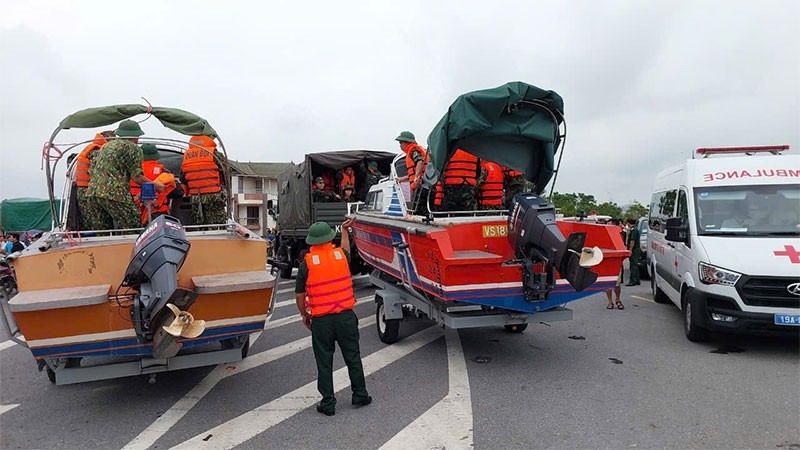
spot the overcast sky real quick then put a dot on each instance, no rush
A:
(644, 82)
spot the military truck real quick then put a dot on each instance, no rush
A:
(296, 210)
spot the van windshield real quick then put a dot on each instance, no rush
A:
(748, 210)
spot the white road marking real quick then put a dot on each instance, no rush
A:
(250, 424)
(641, 298)
(6, 344)
(6, 408)
(166, 421)
(448, 424)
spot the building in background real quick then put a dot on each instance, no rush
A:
(252, 185)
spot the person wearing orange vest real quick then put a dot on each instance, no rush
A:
(200, 175)
(514, 183)
(416, 157)
(459, 179)
(490, 195)
(81, 175)
(155, 171)
(346, 177)
(325, 299)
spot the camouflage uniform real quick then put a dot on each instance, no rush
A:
(370, 179)
(209, 209)
(108, 196)
(84, 208)
(322, 196)
(513, 185)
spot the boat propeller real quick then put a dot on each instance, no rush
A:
(184, 324)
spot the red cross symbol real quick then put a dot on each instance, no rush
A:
(788, 250)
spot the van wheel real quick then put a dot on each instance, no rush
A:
(658, 295)
(690, 313)
(518, 328)
(388, 329)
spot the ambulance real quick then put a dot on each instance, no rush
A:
(724, 241)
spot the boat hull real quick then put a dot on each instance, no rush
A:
(60, 318)
(470, 260)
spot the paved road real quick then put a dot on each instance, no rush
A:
(607, 379)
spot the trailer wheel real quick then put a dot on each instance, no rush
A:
(519, 328)
(388, 330)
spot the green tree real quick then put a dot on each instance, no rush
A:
(565, 203)
(635, 211)
(609, 209)
(586, 203)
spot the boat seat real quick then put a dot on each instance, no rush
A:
(59, 298)
(473, 254)
(233, 282)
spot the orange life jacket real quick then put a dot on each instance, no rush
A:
(491, 192)
(154, 171)
(347, 179)
(410, 165)
(439, 194)
(512, 173)
(461, 169)
(82, 161)
(329, 287)
(199, 168)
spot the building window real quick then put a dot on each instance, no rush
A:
(252, 216)
(259, 186)
(240, 185)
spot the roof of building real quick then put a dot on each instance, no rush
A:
(258, 169)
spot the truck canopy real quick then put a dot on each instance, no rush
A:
(516, 125)
(175, 119)
(294, 183)
(24, 214)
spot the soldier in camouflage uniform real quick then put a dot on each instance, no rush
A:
(209, 208)
(108, 194)
(371, 177)
(514, 183)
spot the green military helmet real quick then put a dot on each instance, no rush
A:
(128, 128)
(406, 136)
(320, 233)
(319, 179)
(373, 165)
(149, 152)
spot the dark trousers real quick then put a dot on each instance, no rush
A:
(325, 332)
(633, 277)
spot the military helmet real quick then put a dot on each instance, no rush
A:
(149, 152)
(128, 128)
(320, 233)
(319, 179)
(406, 136)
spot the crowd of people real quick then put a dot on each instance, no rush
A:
(344, 185)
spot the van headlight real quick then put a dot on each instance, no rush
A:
(715, 275)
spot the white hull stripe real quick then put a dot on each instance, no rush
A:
(131, 333)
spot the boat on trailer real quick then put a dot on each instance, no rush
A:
(99, 304)
(484, 267)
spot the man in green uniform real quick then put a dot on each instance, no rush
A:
(513, 183)
(319, 194)
(371, 177)
(636, 252)
(341, 324)
(108, 194)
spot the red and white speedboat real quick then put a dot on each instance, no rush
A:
(519, 261)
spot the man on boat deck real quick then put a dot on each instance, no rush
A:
(416, 157)
(325, 298)
(108, 193)
(200, 174)
(82, 176)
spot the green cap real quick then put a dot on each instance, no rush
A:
(318, 179)
(406, 136)
(128, 128)
(320, 233)
(373, 164)
(149, 152)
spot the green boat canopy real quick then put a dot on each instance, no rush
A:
(178, 120)
(515, 125)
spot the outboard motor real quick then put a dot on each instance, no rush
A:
(159, 309)
(536, 239)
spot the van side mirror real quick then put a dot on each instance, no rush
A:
(677, 231)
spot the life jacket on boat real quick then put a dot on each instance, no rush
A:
(82, 161)
(462, 169)
(491, 191)
(348, 179)
(154, 171)
(199, 168)
(438, 195)
(329, 287)
(410, 165)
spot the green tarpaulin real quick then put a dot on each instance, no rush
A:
(501, 125)
(178, 120)
(24, 214)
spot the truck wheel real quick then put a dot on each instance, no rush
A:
(658, 295)
(388, 330)
(518, 328)
(690, 313)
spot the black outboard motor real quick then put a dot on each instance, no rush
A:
(158, 254)
(536, 239)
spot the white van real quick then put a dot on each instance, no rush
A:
(724, 241)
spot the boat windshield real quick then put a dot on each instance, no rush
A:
(771, 210)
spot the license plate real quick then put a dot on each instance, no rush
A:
(491, 231)
(787, 319)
